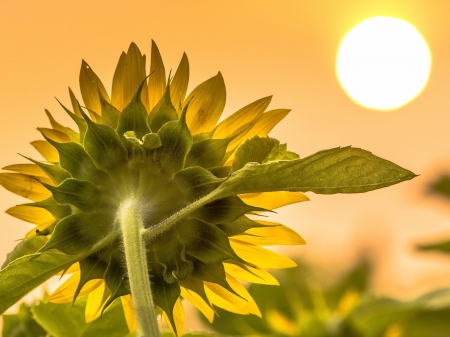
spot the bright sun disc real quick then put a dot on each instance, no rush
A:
(383, 63)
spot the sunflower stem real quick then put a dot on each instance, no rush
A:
(136, 259)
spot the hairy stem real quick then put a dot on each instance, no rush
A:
(136, 259)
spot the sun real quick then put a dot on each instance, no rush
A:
(383, 63)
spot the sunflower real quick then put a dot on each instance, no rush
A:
(151, 141)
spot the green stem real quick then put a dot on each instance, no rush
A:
(135, 253)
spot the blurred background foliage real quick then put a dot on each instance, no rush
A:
(301, 306)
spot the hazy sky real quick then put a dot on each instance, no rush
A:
(282, 48)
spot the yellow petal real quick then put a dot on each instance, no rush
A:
(55, 135)
(46, 150)
(72, 269)
(262, 126)
(274, 234)
(224, 299)
(117, 84)
(242, 118)
(179, 318)
(75, 104)
(73, 136)
(198, 302)
(95, 301)
(157, 78)
(240, 289)
(90, 84)
(260, 257)
(130, 314)
(282, 324)
(65, 292)
(39, 228)
(272, 200)
(254, 275)
(30, 169)
(179, 84)
(24, 185)
(133, 75)
(206, 105)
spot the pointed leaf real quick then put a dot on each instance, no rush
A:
(110, 115)
(214, 273)
(206, 105)
(79, 193)
(115, 278)
(208, 153)
(196, 182)
(54, 171)
(179, 84)
(163, 112)
(82, 126)
(91, 268)
(80, 232)
(73, 136)
(26, 273)
(339, 170)
(238, 226)
(25, 247)
(58, 211)
(157, 78)
(165, 295)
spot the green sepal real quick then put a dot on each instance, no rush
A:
(441, 247)
(165, 296)
(27, 246)
(203, 136)
(54, 171)
(57, 210)
(196, 285)
(115, 278)
(206, 242)
(338, 170)
(74, 136)
(74, 159)
(24, 274)
(79, 232)
(110, 115)
(208, 153)
(175, 265)
(80, 193)
(221, 171)
(176, 142)
(134, 116)
(21, 324)
(238, 226)
(163, 112)
(260, 150)
(91, 268)
(103, 145)
(81, 123)
(224, 210)
(196, 182)
(214, 273)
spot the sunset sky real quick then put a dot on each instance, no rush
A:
(286, 49)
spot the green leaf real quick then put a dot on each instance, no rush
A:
(21, 324)
(80, 232)
(176, 142)
(165, 295)
(441, 186)
(57, 210)
(74, 136)
(91, 268)
(81, 123)
(238, 226)
(192, 334)
(163, 112)
(208, 153)
(134, 116)
(79, 193)
(339, 170)
(214, 273)
(115, 278)
(54, 171)
(104, 145)
(206, 242)
(196, 182)
(442, 247)
(110, 115)
(26, 273)
(25, 247)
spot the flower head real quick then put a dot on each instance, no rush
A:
(154, 146)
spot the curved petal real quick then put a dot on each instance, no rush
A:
(242, 118)
(273, 234)
(253, 275)
(46, 150)
(130, 314)
(179, 84)
(261, 257)
(178, 316)
(55, 135)
(30, 169)
(157, 78)
(199, 303)
(117, 84)
(95, 301)
(273, 200)
(222, 298)
(35, 215)
(39, 228)
(64, 293)
(24, 185)
(206, 105)
(72, 269)
(252, 307)
(90, 84)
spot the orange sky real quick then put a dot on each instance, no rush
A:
(284, 48)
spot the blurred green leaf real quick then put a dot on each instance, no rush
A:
(22, 324)
(442, 247)
(441, 186)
